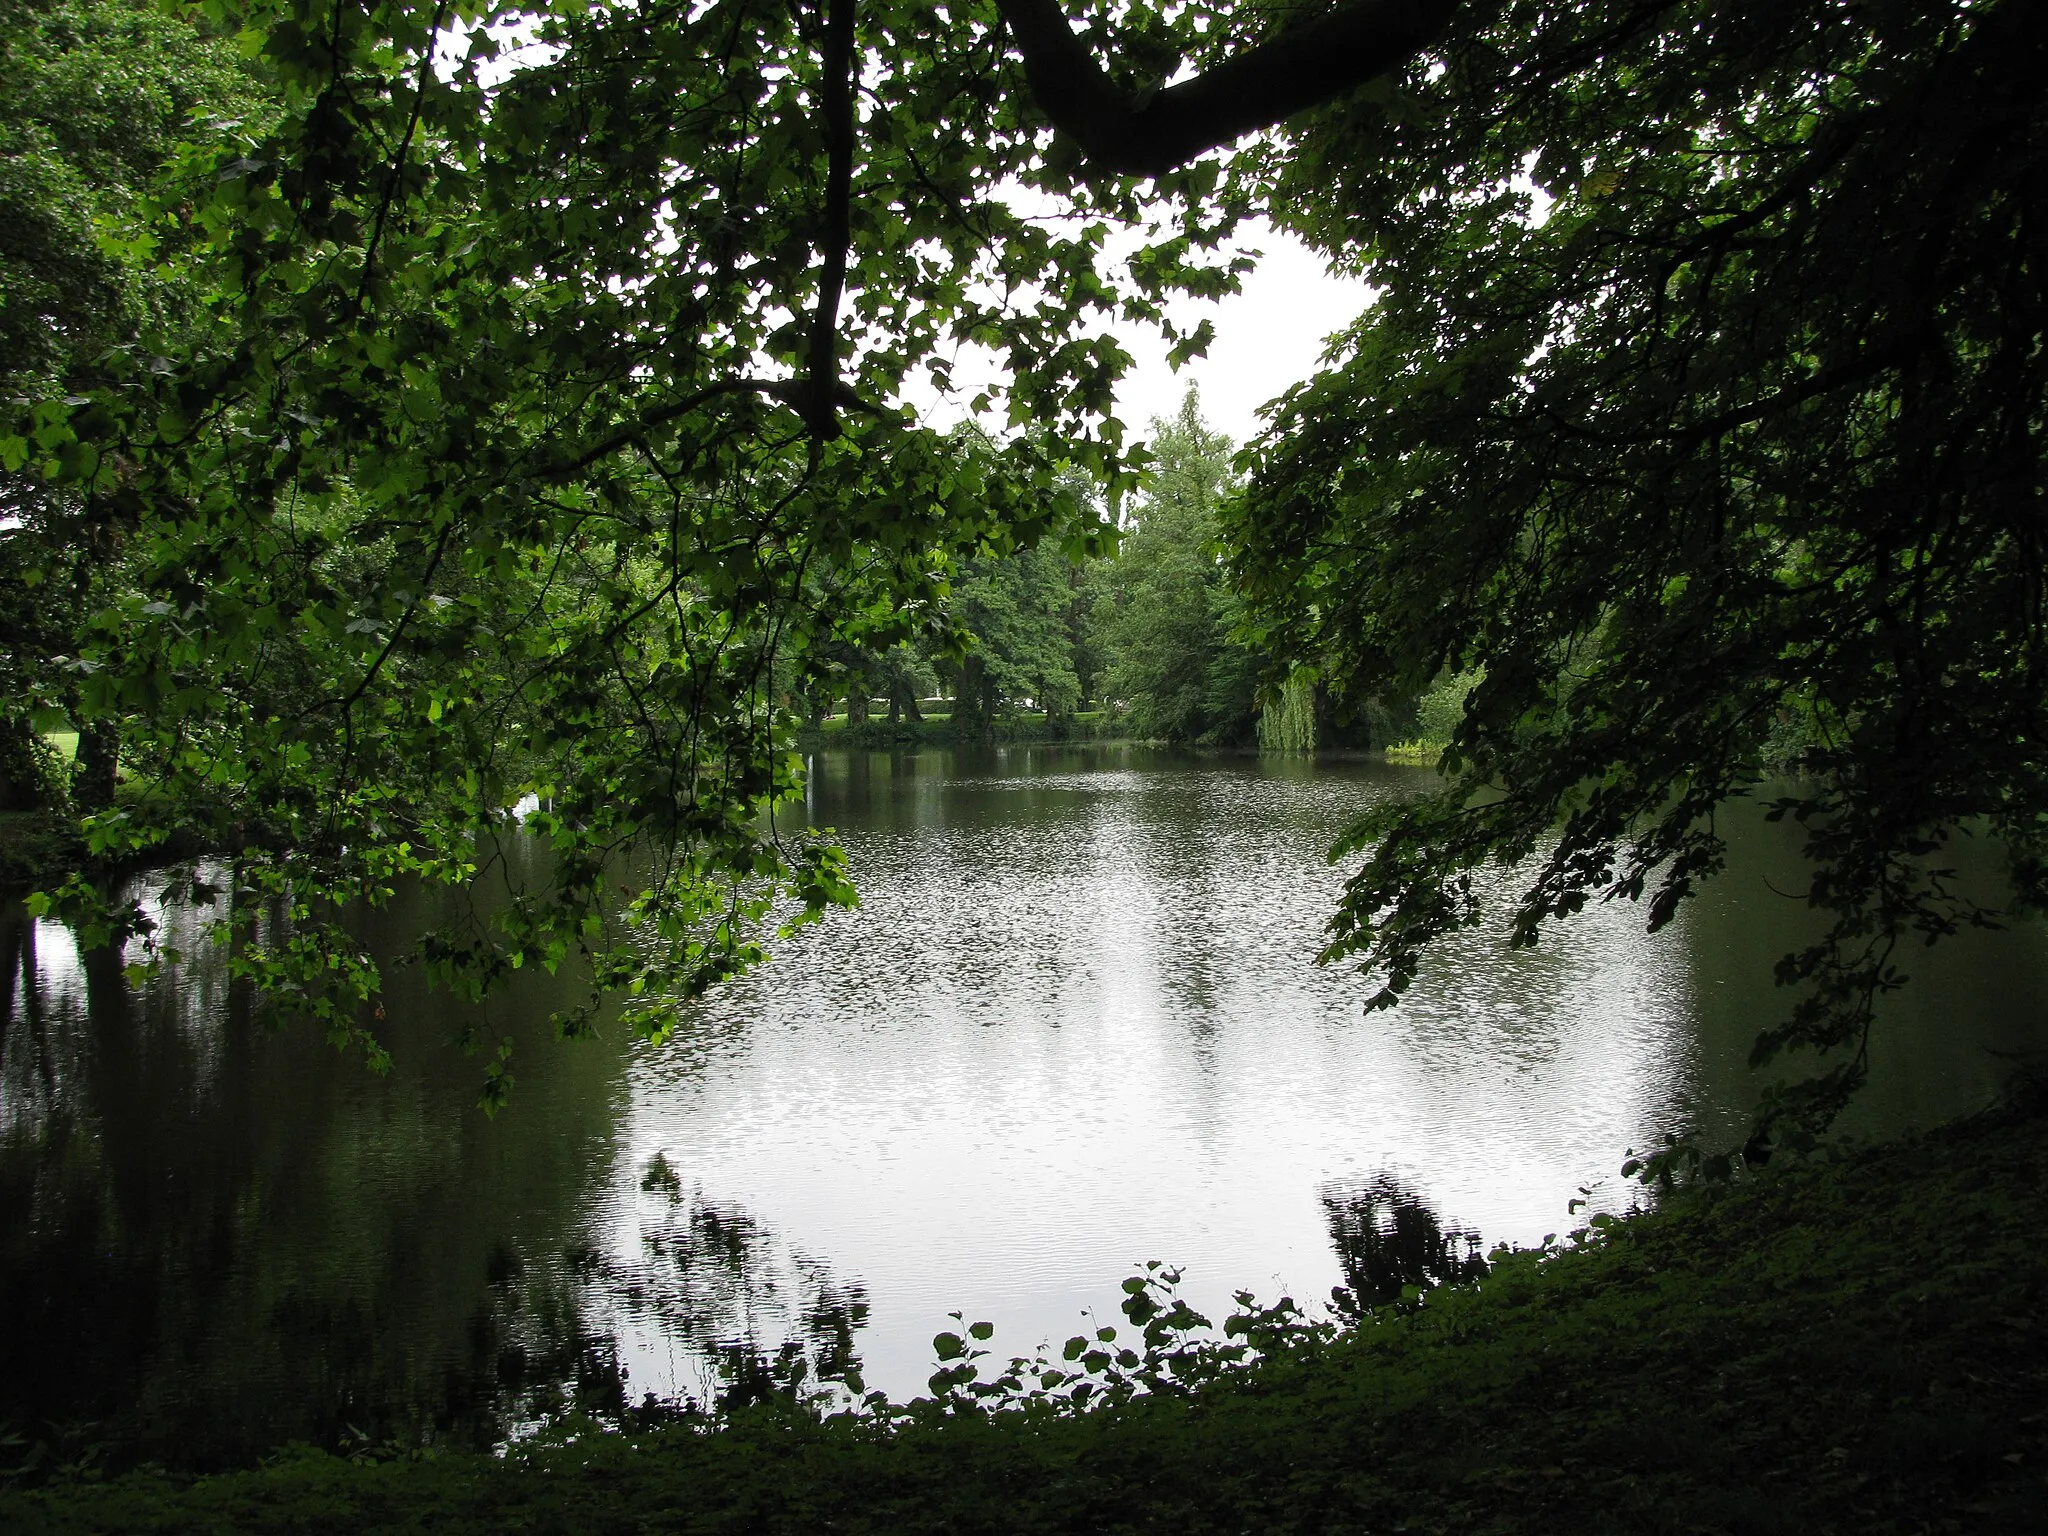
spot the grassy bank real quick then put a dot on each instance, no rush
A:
(1851, 1346)
(937, 730)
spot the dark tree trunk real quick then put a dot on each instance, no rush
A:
(903, 703)
(99, 750)
(974, 712)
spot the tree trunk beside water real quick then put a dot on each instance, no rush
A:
(974, 706)
(99, 752)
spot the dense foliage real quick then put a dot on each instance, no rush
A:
(1146, 633)
(538, 428)
(1704, 412)
(1020, 613)
(533, 422)
(95, 97)
(1170, 616)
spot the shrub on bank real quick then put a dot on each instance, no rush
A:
(36, 848)
(1423, 754)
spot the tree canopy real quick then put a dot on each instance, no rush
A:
(1703, 410)
(549, 413)
(95, 97)
(538, 418)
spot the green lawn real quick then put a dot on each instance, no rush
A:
(1855, 1346)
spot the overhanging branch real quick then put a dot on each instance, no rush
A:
(1303, 67)
(799, 394)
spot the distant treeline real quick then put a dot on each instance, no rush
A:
(1146, 643)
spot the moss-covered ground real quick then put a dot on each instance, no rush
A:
(1854, 1345)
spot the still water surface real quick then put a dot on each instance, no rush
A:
(1076, 1025)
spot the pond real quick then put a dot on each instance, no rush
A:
(1075, 1026)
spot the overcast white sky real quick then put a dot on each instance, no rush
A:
(1268, 337)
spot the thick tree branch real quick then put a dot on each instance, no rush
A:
(1301, 68)
(798, 394)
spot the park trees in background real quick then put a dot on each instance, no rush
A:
(1165, 613)
(1148, 632)
(1018, 612)
(97, 100)
(1012, 631)
(906, 676)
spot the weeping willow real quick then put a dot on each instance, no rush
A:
(1288, 722)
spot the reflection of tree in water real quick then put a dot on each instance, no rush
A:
(532, 1355)
(712, 1278)
(1388, 1239)
(213, 1240)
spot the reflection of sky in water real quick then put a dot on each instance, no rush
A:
(1077, 1025)
(58, 1000)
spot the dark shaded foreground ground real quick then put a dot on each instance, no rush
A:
(1850, 1347)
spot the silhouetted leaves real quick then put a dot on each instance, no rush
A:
(1698, 413)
